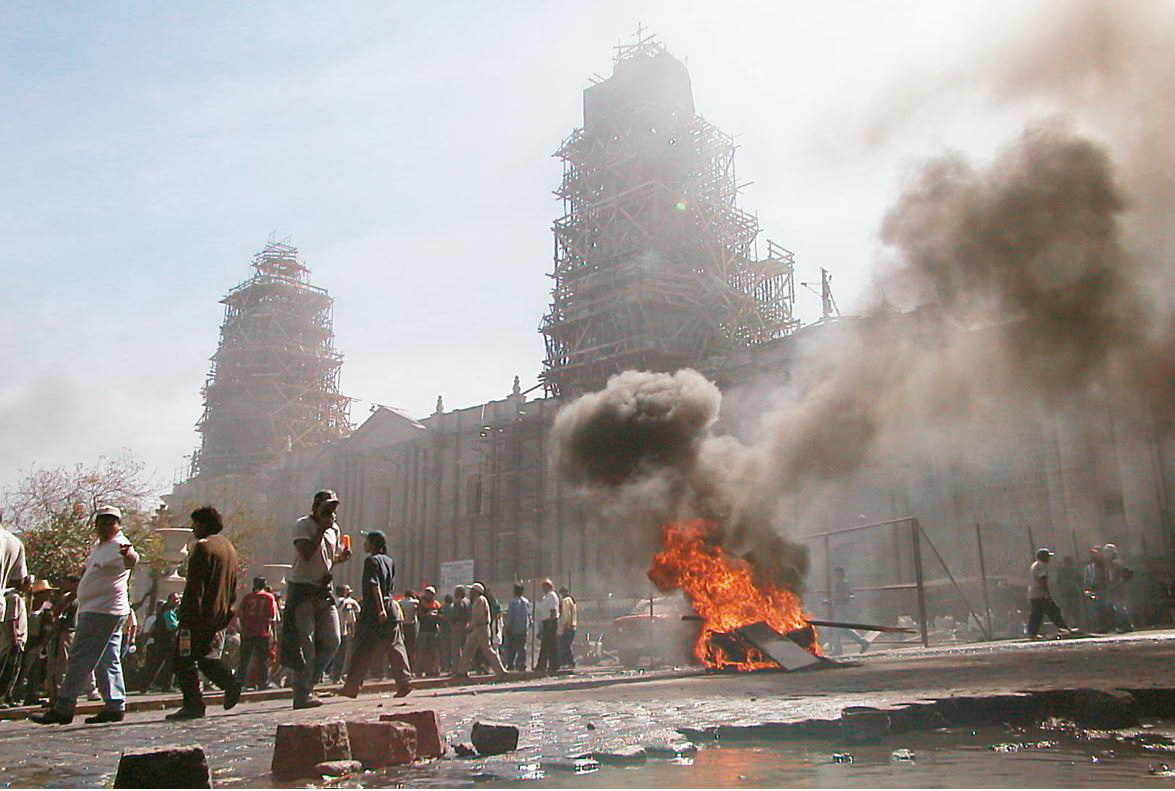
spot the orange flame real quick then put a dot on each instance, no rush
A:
(722, 591)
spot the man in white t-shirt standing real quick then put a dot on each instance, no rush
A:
(310, 634)
(1040, 598)
(103, 604)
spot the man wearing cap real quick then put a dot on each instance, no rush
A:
(1040, 598)
(379, 621)
(477, 636)
(548, 615)
(103, 603)
(310, 626)
(428, 618)
(205, 609)
(258, 611)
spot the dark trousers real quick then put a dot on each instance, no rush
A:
(410, 630)
(253, 649)
(158, 666)
(185, 669)
(370, 637)
(514, 651)
(1041, 608)
(566, 658)
(548, 660)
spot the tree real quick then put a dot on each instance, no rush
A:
(52, 510)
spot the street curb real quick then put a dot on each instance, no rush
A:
(215, 698)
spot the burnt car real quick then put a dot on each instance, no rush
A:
(658, 633)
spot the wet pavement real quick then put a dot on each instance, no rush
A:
(562, 718)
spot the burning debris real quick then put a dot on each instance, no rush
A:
(643, 446)
(723, 593)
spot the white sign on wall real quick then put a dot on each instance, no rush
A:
(454, 573)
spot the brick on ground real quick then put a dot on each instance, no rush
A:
(430, 739)
(169, 766)
(380, 744)
(298, 749)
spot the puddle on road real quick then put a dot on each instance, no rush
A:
(1055, 756)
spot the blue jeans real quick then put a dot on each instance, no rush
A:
(97, 645)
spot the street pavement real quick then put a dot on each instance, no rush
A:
(596, 709)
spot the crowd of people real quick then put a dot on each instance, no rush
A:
(82, 637)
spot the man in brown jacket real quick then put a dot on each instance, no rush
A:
(206, 609)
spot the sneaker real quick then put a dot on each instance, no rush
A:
(403, 689)
(51, 717)
(106, 716)
(232, 695)
(311, 701)
(185, 714)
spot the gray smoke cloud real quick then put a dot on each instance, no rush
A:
(644, 446)
(1049, 271)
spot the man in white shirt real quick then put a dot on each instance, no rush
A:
(1040, 598)
(103, 604)
(547, 612)
(310, 633)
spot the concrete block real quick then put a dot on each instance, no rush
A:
(297, 749)
(493, 738)
(164, 767)
(430, 739)
(380, 744)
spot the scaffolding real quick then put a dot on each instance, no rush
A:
(656, 267)
(274, 381)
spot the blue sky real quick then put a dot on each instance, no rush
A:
(150, 149)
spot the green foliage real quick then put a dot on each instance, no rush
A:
(52, 510)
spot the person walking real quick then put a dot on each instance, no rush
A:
(428, 617)
(14, 579)
(1117, 575)
(258, 611)
(458, 624)
(1095, 580)
(1040, 598)
(548, 615)
(477, 636)
(842, 609)
(348, 615)
(409, 626)
(310, 625)
(516, 629)
(204, 611)
(379, 621)
(103, 603)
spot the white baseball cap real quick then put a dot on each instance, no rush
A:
(109, 510)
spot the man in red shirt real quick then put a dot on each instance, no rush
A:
(257, 613)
